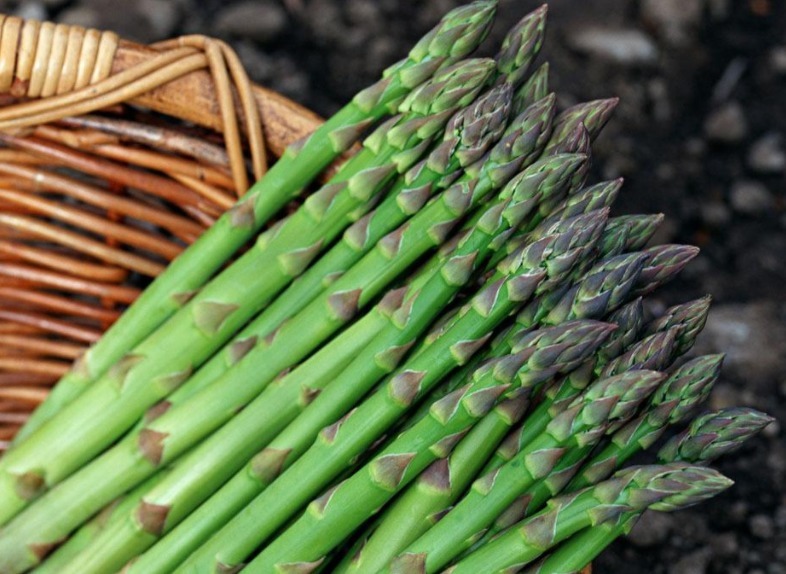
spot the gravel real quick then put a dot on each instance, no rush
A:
(726, 124)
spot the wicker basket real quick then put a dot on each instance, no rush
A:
(113, 158)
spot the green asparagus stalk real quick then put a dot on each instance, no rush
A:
(584, 422)
(727, 431)
(80, 540)
(626, 233)
(691, 317)
(664, 263)
(335, 515)
(592, 115)
(456, 35)
(367, 278)
(663, 488)
(713, 435)
(630, 321)
(340, 306)
(224, 452)
(90, 531)
(466, 139)
(686, 388)
(653, 353)
(534, 89)
(519, 276)
(520, 48)
(433, 491)
(442, 482)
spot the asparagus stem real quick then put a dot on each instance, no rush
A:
(714, 434)
(438, 486)
(144, 383)
(264, 417)
(583, 423)
(687, 387)
(332, 517)
(455, 36)
(709, 436)
(518, 277)
(630, 490)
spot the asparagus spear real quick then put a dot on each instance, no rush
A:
(714, 434)
(215, 460)
(332, 517)
(433, 491)
(520, 47)
(443, 481)
(584, 422)
(534, 89)
(90, 531)
(635, 489)
(457, 34)
(336, 306)
(519, 276)
(691, 316)
(664, 263)
(687, 387)
(729, 431)
(626, 233)
(592, 115)
(630, 321)
(674, 400)
(653, 353)
(468, 135)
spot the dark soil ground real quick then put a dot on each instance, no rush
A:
(699, 136)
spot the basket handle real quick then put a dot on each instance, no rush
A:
(70, 70)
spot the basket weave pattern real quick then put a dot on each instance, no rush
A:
(114, 157)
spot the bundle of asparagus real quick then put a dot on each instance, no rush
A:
(440, 360)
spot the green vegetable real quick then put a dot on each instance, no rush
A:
(456, 36)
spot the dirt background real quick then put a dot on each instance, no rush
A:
(699, 136)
